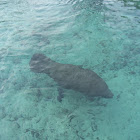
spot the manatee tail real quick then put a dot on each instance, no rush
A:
(38, 63)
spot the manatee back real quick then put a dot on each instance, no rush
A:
(83, 80)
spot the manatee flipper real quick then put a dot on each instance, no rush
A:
(60, 94)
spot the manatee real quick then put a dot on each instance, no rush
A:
(70, 76)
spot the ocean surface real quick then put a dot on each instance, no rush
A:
(100, 35)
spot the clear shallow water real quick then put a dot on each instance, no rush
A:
(99, 35)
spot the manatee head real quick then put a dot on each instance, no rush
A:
(38, 63)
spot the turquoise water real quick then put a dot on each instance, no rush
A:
(103, 36)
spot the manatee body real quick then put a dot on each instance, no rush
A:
(71, 76)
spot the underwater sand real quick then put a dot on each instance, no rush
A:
(103, 36)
